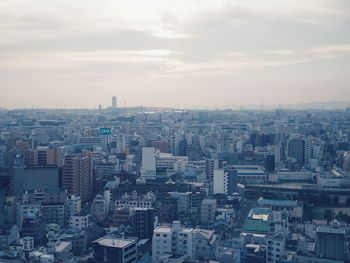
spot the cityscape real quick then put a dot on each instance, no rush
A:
(187, 131)
(162, 185)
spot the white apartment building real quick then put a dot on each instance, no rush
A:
(275, 248)
(225, 181)
(173, 239)
(135, 201)
(169, 162)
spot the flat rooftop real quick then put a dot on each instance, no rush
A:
(256, 226)
(277, 202)
(114, 242)
(330, 230)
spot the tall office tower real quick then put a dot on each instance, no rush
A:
(76, 175)
(148, 168)
(114, 102)
(330, 243)
(296, 149)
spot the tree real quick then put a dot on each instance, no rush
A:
(340, 215)
(328, 215)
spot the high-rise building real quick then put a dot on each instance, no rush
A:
(296, 149)
(76, 175)
(148, 168)
(114, 102)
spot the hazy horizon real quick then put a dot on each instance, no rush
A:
(78, 54)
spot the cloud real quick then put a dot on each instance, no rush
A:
(331, 51)
(158, 42)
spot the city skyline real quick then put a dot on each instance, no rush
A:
(211, 53)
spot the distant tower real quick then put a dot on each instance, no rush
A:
(114, 102)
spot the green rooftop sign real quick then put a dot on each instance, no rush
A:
(105, 131)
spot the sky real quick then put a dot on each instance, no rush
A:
(180, 54)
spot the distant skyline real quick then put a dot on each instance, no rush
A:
(179, 54)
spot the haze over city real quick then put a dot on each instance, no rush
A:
(181, 54)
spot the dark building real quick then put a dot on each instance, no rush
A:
(270, 163)
(34, 177)
(116, 250)
(296, 149)
(330, 243)
(343, 146)
(254, 253)
(143, 222)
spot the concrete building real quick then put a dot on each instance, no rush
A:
(208, 211)
(116, 250)
(73, 206)
(275, 248)
(45, 156)
(330, 242)
(172, 239)
(225, 181)
(77, 175)
(143, 222)
(79, 222)
(205, 244)
(148, 166)
(27, 243)
(296, 149)
(171, 163)
(9, 235)
(35, 178)
(250, 174)
(293, 208)
(114, 102)
(99, 208)
(134, 200)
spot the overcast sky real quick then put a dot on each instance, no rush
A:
(179, 53)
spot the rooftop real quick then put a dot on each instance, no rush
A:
(277, 202)
(114, 242)
(258, 226)
(330, 230)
